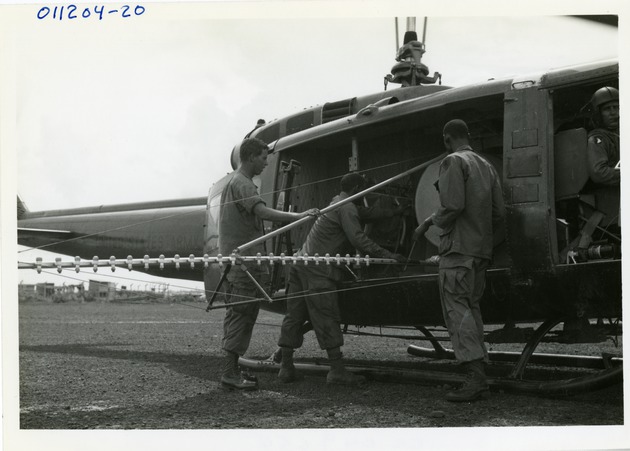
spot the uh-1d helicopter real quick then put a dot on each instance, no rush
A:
(557, 259)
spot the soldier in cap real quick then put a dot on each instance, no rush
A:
(336, 232)
(240, 221)
(471, 209)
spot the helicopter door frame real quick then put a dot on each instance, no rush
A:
(528, 179)
(268, 190)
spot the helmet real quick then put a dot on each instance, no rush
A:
(604, 95)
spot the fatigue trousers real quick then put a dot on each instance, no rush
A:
(239, 320)
(312, 295)
(462, 282)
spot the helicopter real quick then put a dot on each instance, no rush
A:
(555, 261)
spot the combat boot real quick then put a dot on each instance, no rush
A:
(231, 377)
(475, 386)
(249, 376)
(287, 372)
(338, 374)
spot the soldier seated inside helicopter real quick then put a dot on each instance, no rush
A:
(587, 181)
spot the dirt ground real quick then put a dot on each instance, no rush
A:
(156, 366)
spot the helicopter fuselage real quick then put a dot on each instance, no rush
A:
(532, 129)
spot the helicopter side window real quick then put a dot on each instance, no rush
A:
(300, 122)
(268, 133)
(214, 209)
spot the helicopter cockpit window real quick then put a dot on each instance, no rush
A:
(571, 105)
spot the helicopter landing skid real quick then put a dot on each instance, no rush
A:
(605, 370)
(506, 370)
(390, 374)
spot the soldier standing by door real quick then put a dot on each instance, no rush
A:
(471, 207)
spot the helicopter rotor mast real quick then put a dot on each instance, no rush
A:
(411, 24)
(409, 71)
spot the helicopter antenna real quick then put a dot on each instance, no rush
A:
(424, 32)
(409, 71)
(411, 24)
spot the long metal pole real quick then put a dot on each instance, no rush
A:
(332, 207)
(424, 33)
(411, 24)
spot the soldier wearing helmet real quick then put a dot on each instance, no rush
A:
(603, 141)
(602, 154)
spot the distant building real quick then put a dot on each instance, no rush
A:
(105, 291)
(26, 289)
(50, 291)
(45, 290)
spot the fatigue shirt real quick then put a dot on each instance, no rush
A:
(237, 222)
(603, 155)
(340, 232)
(471, 204)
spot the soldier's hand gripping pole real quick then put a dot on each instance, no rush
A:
(332, 207)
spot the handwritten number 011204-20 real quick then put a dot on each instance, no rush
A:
(70, 12)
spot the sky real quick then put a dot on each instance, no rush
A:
(149, 107)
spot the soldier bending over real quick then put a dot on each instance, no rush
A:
(312, 288)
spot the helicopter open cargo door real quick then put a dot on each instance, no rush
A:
(528, 180)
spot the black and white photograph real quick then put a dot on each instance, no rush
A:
(312, 225)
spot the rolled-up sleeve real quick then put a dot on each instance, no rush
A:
(248, 196)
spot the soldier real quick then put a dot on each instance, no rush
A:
(240, 221)
(603, 141)
(337, 232)
(471, 207)
(603, 155)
